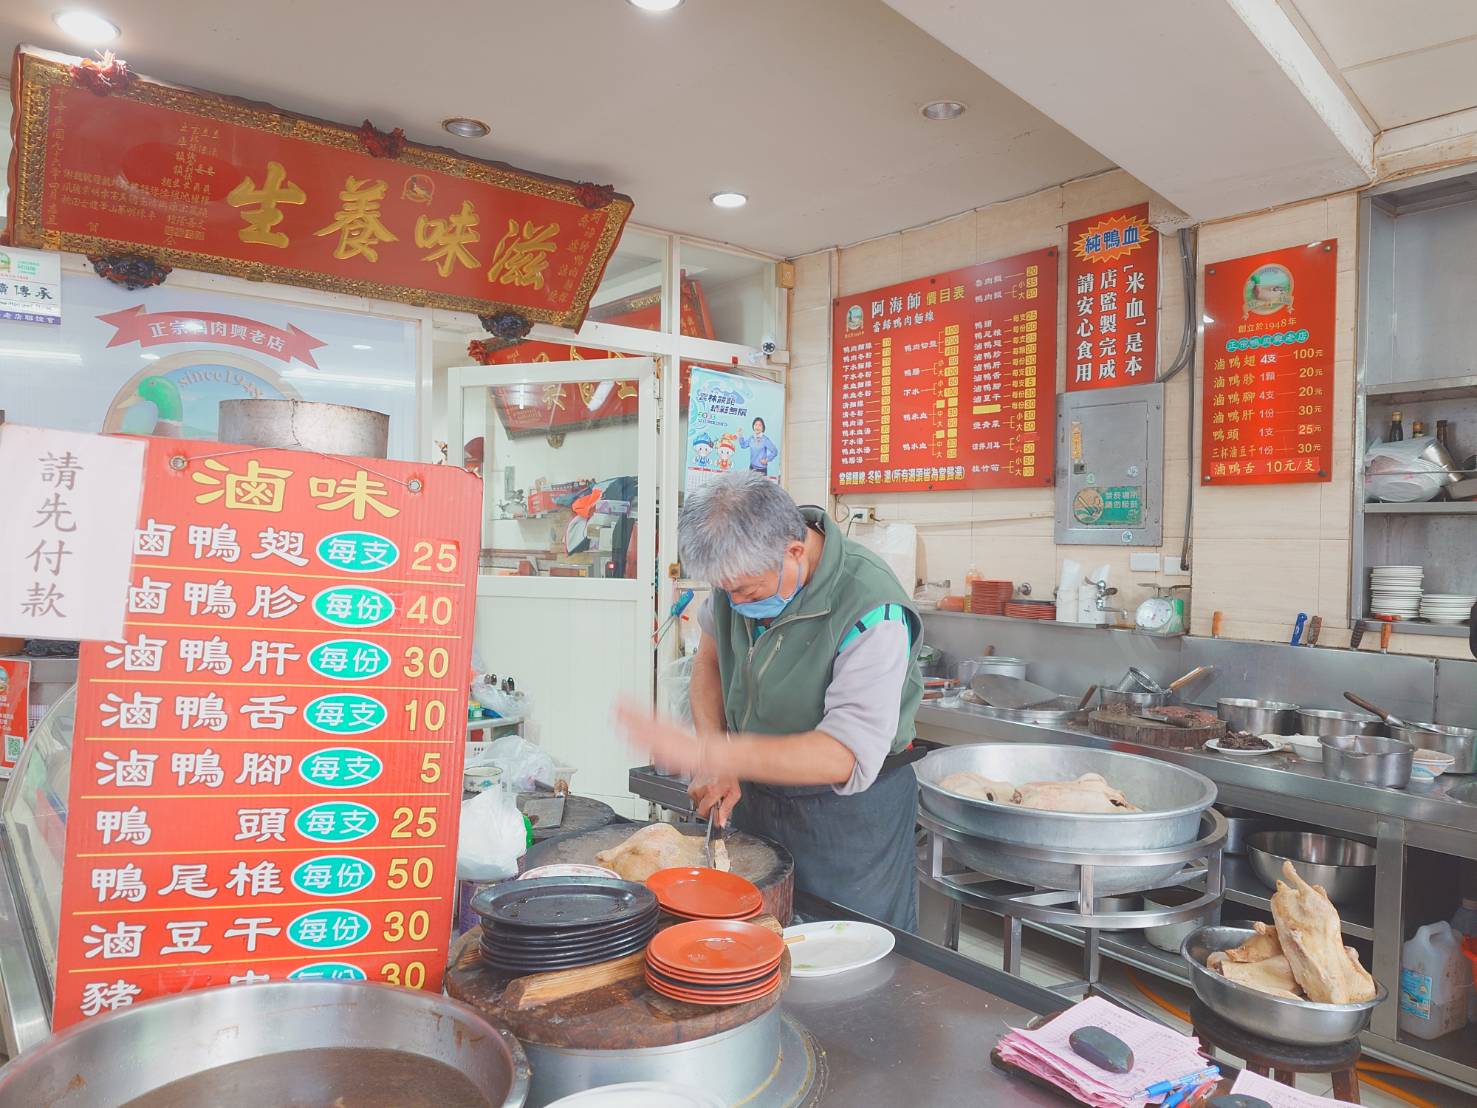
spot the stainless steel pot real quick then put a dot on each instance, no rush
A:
(1171, 799)
(1240, 826)
(1260, 717)
(208, 1037)
(1169, 936)
(997, 666)
(1322, 721)
(1275, 1017)
(1367, 760)
(1459, 742)
(1343, 867)
(1133, 701)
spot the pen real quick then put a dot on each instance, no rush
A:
(1161, 1087)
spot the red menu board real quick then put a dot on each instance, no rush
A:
(210, 182)
(1112, 300)
(266, 770)
(947, 382)
(15, 711)
(1267, 416)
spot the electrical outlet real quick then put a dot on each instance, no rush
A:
(1144, 563)
(867, 514)
(1172, 566)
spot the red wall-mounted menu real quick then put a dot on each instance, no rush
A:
(266, 770)
(1267, 416)
(1112, 300)
(947, 382)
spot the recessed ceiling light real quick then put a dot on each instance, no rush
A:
(88, 28)
(942, 109)
(465, 127)
(362, 346)
(729, 199)
(656, 5)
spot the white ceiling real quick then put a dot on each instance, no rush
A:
(808, 106)
(1405, 60)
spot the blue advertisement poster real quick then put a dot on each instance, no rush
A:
(733, 424)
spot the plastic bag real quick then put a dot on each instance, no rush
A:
(1407, 472)
(522, 762)
(493, 837)
(513, 706)
(678, 676)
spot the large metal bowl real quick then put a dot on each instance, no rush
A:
(1459, 742)
(1323, 721)
(1367, 760)
(1135, 700)
(1274, 1017)
(1343, 867)
(195, 1036)
(1260, 717)
(1171, 799)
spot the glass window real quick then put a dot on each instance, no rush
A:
(559, 465)
(730, 297)
(630, 293)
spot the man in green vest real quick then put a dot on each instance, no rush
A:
(803, 694)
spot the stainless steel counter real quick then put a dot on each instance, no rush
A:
(916, 1027)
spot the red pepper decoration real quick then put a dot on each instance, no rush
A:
(594, 196)
(381, 144)
(132, 271)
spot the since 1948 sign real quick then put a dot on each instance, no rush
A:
(210, 182)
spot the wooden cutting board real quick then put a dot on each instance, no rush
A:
(1131, 729)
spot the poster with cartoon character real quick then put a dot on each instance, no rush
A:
(734, 424)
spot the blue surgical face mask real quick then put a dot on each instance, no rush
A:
(770, 606)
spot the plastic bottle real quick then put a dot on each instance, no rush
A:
(1435, 978)
(1464, 923)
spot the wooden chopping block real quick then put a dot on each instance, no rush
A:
(542, 988)
(1132, 729)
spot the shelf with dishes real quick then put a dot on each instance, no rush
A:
(1400, 594)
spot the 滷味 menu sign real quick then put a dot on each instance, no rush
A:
(1112, 300)
(947, 382)
(266, 768)
(1267, 410)
(209, 182)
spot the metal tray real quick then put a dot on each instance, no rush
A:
(205, 1037)
(1172, 800)
(1055, 712)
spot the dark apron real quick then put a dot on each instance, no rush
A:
(854, 850)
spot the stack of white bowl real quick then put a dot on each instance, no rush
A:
(1395, 591)
(1451, 608)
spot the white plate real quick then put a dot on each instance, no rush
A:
(1308, 750)
(567, 869)
(836, 946)
(642, 1094)
(1276, 741)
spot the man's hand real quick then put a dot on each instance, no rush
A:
(715, 800)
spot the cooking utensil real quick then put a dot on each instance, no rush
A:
(1343, 867)
(1297, 627)
(1260, 717)
(1190, 678)
(1279, 1018)
(1367, 760)
(1386, 630)
(1169, 936)
(1168, 720)
(1171, 800)
(1009, 692)
(1134, 701)
(276, 1039)
(1240, 825)
(1315, 629)
(1391, 720)
(1087, 697)
(1215, 624)
(1321, 721)
(1057, 712)
(708, 842)
(543, 812)
(1136, 680)
(1459, 742)
(971, 668)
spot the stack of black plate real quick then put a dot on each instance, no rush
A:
(554, 923)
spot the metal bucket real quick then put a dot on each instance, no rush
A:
(302, 425)
(1172, 800)
(197, 1037)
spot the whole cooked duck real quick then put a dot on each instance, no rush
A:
(1269, 975)
(659, 846)
(980, 787)
(1328, 971)
(1089, 794)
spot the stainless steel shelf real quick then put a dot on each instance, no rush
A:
(1427, 508)
(1411, 392)
(1244, 887)
(1416, 627)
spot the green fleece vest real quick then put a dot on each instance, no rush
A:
(776, 685)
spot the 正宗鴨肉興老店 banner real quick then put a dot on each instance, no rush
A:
(209, 182)
(1267, 406)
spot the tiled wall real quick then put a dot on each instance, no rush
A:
(1260, 554)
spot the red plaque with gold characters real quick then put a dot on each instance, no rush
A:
(1112, 300)
(1269, 338)
(210, 182)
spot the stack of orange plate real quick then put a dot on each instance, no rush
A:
(987, 598)
(696, 892)
(714, 962)
(1031, 609)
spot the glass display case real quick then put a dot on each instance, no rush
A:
(33, 821)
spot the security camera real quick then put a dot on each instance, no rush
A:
(768, 346)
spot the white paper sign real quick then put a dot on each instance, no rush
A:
(30, 285)
(66, 541)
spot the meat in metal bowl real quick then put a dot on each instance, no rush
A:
(1171, 800)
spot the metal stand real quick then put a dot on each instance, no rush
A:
(1066, 907)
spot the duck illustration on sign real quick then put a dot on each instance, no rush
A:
(179, 396)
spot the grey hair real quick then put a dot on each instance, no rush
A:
(736, 526)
